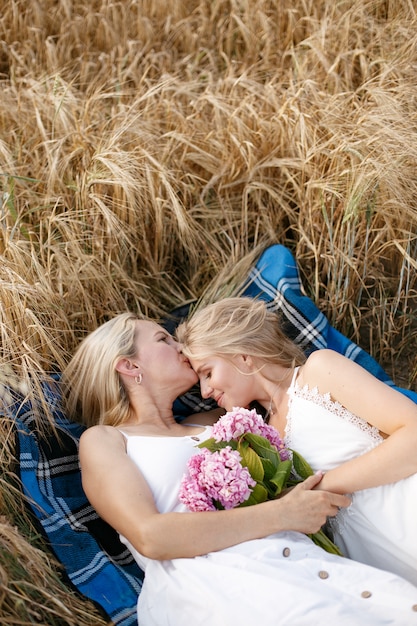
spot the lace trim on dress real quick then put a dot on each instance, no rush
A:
(325, 401)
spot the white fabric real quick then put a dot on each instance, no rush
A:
(281, 580)
(379, 528)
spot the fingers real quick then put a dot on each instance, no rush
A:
(307, 509)
(341, 501)
(335, 500)
(312, 481)
(338, 501)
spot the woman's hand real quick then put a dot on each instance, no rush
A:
(306, 509)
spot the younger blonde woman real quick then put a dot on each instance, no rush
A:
(358, 430)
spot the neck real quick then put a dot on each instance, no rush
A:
(277, 392)
(146, 411)
(271, 408)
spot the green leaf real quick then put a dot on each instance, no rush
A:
(262, 447)
(259, 494)
(279, 480)
(212, 445)
(252, 461)
(301, 466)
(270, 469)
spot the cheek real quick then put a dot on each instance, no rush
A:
(193, 375)
(189, 374)
(227, 375)
(239, 388)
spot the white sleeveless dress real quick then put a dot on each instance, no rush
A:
(282, 580)
(380, 526)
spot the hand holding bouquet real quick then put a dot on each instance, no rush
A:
(245, 462)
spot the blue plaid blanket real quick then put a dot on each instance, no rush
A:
(96, 564)
(275, 279)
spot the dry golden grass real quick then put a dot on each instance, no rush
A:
(148, 148)
(31, 589)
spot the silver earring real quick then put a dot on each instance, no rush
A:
(138, 379)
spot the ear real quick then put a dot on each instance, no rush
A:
(245, 362)
(126, 367)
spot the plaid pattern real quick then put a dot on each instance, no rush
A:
(97, 565)
(275, 279)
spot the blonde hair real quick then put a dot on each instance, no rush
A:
(238, 326)
(92, 388)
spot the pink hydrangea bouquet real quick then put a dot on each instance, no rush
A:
(244, 462)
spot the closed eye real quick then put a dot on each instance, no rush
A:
(165, 337)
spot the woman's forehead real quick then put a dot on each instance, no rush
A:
(147, 328)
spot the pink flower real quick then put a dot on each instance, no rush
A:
(219, 476)
(195, 498)
(192, 493)
(225, 479)
(239, 421)
(215, 477)
(235, 423)
(274, 438)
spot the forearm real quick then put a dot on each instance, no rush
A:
(120, 494)
(394, 459)
(182, 535)
(176, 535)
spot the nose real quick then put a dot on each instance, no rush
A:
(176, 344)
(205, 389)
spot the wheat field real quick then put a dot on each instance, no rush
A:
(149, 151)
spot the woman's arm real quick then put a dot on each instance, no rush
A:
(381, 406)
(120, 494)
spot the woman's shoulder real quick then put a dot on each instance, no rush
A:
(321, 367)
(101, 435)
(101, 446)
(322, 358)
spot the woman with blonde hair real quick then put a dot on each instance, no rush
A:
(358, 430)
(221, 567)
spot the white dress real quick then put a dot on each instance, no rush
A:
(283, 579)
(380, 526)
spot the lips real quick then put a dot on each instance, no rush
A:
(218, 399)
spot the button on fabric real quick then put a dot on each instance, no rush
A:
(286, 552)
(414, 607)
(323, 574)
(366, 594)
